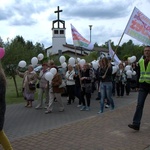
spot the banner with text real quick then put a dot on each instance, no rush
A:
(79, 40)
(138, 27)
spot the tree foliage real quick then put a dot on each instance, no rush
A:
(92, 56)
(126, 50)
(16, 50)
(19, 49)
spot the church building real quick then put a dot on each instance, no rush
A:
(59, 44)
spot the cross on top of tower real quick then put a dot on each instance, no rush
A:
(58, 11)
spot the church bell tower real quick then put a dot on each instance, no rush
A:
(58, 33)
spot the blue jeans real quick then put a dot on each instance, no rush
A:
(128, 86)
(140, 105)
(78, 93)
(88, 97)
(106, 91)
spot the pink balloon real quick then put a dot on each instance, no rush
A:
(2, 52)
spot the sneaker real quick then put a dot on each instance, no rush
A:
(87, 108)
(47, 111)
(61, 110)
(97, 98)
(26, 105)
(83, 108)
(79, 106)
(100, 112)
(38, 107)
(45, 107)
(106, 106)
(135, 127)
(29, 106)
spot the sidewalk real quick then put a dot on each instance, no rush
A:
(76, 130)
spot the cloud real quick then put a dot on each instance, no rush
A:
(29, 18)
(22, 12)
(98, 10)
(5, 14)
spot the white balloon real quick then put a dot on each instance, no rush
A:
(53, 71)
(114, 69)
(71, 61)
(40, 56)
(34, 61)
(128, 67)
(113, 63)
(129, 59)
(78, 59)
(134, 73)
(64, 65)
(62, 59)
(82, 62)
(129, 72)
(95, 65)
(97, 61)
(22, 64)
(132, 59)
(49, 76)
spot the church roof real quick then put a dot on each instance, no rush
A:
(71, 46)
(78, 47)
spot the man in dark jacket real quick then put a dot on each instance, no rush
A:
(143, 74)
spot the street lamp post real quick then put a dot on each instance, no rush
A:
(90, 31)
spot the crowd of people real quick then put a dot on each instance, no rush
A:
(81, 82)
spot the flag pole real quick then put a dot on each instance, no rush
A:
(114, 53)
(119, 41)
(123, 32)
(79, 74)
(117, 45)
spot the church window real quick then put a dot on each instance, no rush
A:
(61, 31)
(55, 31)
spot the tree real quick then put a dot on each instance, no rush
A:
(1, 42)
(128, 49)
(92, 56)
(16, 50)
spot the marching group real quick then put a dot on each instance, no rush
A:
(80, 82)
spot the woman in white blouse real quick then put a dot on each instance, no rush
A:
(70, 84)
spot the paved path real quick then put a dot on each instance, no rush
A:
(30, 129)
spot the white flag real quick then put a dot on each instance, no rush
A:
(112, 54)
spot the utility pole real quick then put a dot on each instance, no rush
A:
(90, 31)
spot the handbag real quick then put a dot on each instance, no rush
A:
(63, 84)
(32, 87)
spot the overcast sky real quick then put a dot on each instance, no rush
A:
(32, 19)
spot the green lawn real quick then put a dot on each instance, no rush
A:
(11, 95)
